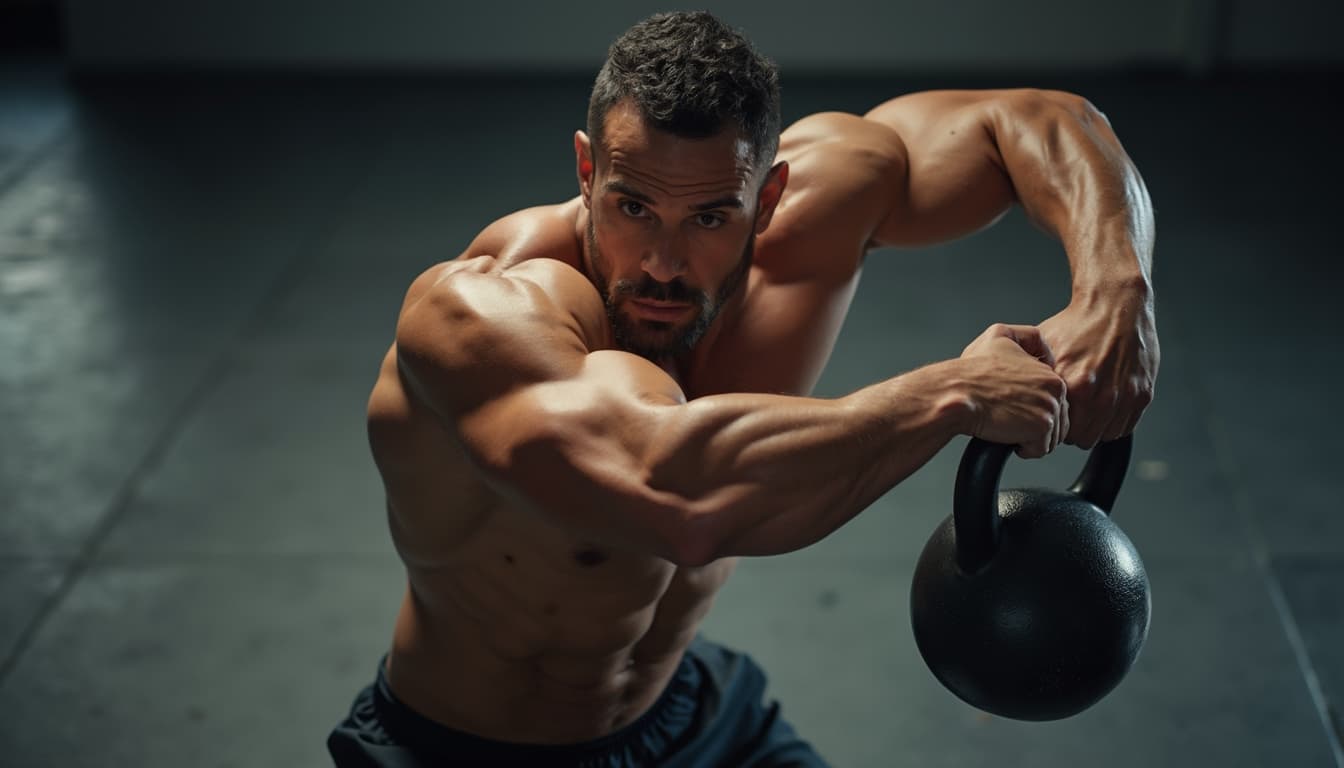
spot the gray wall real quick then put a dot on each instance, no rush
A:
(899, 35)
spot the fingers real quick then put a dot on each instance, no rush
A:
(1128, 411)
(1102, 414)
(1115, 428)
(1089, 415)
(1047, 442)
(1029, 338)
(1145, 400)
(1026, 337)
(1056, 422)
(1062, 429)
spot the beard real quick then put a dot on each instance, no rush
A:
(652, 339)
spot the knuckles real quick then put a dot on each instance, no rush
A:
(1141, 394)
(1057, 387)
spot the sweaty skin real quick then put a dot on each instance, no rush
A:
(566, 511)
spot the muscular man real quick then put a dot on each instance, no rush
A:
(593, 411)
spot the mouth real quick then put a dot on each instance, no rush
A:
(662, 311)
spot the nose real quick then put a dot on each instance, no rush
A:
(664, 261)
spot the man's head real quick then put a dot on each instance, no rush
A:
(675, 169)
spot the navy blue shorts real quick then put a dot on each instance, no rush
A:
(711, 714)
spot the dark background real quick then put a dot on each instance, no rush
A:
(209, 212)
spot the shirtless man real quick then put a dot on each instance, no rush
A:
(593, 411)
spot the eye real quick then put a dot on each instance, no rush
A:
(709, 220)
(632, 208)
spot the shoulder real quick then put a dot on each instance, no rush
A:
(844, 174)
(541, 232)
(522, 266)
(843, 153)
(479, 313)
(479, 332)
(841, 132)
(539, 292)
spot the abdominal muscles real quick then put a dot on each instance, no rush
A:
(530, 634)
(513, 627)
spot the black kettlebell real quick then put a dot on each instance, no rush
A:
(1031, 604)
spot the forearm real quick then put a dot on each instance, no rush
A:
(1072, 177)
(765, 474)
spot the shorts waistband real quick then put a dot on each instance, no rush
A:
(649, 737)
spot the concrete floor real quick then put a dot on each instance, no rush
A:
(197, 279)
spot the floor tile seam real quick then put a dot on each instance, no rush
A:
(1241, 499)
(291, 276)
(211, 379)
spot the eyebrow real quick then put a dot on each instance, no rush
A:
(727, 201)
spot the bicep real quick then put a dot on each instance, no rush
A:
(955, 180)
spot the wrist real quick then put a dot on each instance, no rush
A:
(952, 406)
(1107, 265)
(933, 400)
(1117, 288)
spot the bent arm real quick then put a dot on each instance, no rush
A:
(604, 442)
(972, 154)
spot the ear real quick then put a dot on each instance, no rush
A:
(771, 191)
(583, 158)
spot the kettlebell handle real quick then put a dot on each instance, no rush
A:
(975, 507)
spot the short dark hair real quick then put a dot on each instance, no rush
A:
(690, 75)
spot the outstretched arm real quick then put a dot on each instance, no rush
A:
(600, 441)
(971, 154)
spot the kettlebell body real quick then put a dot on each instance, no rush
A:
(1031, 603)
